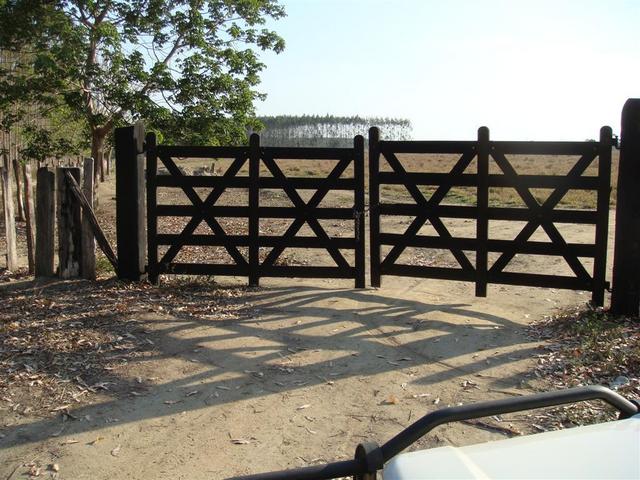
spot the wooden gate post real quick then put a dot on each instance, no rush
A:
(130, 202)
(45, 222)
(88, 267)
(254, 210)
(374, 201)
(625, 297)
(69, 226)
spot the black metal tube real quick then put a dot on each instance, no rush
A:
(496, 407)
(347, 468)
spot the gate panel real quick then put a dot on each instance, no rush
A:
(536, 214)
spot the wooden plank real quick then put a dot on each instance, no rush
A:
(88, 266)
(93, 221)
(201, 151)
(419, 271)
(69, 225)
(307, 272)
(427, 147)
(602, 227)
(494, 180)
(261, 241)
(254, 206)
(335, 213)
(482, 222)
(359, 220)
(9, 219)
(625, 297)
(545, 148)
(202, 181)
(30, 216)
(45, 222)
(374, 203)
(539, 280)
(204, 269)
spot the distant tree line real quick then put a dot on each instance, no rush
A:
(327, 130)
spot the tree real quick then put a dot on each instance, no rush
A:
(188, 67)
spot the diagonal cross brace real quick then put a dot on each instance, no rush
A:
(442, 190)
(300, 204)
(542, 214)
(202, 214)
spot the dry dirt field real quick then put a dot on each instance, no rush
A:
(206, 378)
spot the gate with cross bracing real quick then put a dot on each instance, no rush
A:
(486, 253)
(195, 226)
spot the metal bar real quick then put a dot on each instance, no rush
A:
(498, 407)
(345, 468)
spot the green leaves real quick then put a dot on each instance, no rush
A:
(188, 67)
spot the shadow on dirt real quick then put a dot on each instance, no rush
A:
(235, 344)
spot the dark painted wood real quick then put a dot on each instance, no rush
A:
(602, 225)
(625, 297)
(254, 210)
(482, 220)
(359, 211)
(152, 199)
(45, 222)
(374, 202)
(69, 225)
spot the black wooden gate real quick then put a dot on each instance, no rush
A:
(536, 214)
(254, 169)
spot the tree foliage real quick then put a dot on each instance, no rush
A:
(190, 68)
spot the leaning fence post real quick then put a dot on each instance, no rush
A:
(130, 201)
(69, 226)
(374, 202)
(625, 296)
(45, 222)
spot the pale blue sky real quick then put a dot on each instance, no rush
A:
(529, 70)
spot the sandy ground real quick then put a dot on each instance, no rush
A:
(309, 370)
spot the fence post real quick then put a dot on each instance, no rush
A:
(69, 226)
(152, 214)
(9, 217)
(45, 222)
(359, 220)
(602, 222)
(482, 221)
(254, 209)
(88, 267)
(29, 214)
(625, 297)
(374, 202)
(130, 202)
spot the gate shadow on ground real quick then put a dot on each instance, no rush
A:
(270, 350)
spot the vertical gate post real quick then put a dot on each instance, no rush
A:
(254, 205)
(69, 225)
(130, 205)
(374, 202)
(482, 220)
(152, 214)
(88, 267)
(45, 222)
(602, 221)
(358, 174)
(625, 298)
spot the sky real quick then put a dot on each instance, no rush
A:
(528, 70)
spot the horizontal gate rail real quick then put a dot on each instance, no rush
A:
(302, 213)
(537, 214)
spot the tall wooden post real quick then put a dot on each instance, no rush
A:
(88, 267)
(359, 220)
(69, 226)
(30, 215)
(374, 202)
(45, 222)
(625, 297)
(9, 218)
(482, 222)
(254, 209)
(130, 202)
